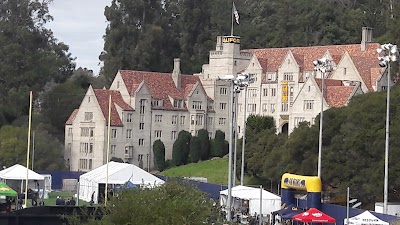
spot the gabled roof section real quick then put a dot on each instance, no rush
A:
(275, 56)
(336, 94)
(72, 117)
(116, 98)
(161, 85)
(364, 67)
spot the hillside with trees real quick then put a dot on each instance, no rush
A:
(353, 148)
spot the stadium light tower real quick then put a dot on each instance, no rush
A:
(323, 65)
(387, 53)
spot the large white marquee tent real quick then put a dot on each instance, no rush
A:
(118, 173)
(15, 177)
(365, 218)
(270, 201)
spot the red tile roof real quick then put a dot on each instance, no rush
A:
(336, 94)
(116, 98)
(72, 117)
(364, 67)
(375, 74)
(161, 85)
(273, 57)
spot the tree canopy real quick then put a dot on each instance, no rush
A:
(352, 149)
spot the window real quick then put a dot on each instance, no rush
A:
(84, 132)
(142, 106)
(344, 71)
(264, 107)
(89, 99)
(210, 135)
(182, 120)
(265, 92)
(173, 135)
(273, 91)
(222, 121)
(141, 142)
(251, 107)
(309, 88)
(384, 88)
(91, 148)
(210, 121)
(129, 133)
(199, 120)
(90, 164)
(158, 118)
(140, 158)
(240, 107)
(210, 105)
(91, 132)
(158, 133)
(141, 126)
(252, 93)
(192, 119)
(88, 116)
(174, 119)
(113, 133)
(288, 76)
(272, 107)
(291, 93)
(196, 105)
(129, 117)
(117, 84)
(284, 107)
(141, 122)
(70, 132)
(308, 104)
(298, 120)
(223, 91)
(222, 106)
(113, 149)
(156, 103)
(178, 103)
(271, 76)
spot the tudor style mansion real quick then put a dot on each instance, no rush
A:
(147, 106)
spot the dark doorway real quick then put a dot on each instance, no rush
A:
(285, 128)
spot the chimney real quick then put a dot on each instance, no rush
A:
(366, 37)
(176, 73)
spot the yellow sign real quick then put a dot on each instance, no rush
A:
(231, 40)
(285, 91)
(309, 183)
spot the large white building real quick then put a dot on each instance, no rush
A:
(147, 106)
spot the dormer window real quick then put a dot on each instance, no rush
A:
(177, 103)
(156, 103)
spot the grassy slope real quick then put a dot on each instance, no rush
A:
(215, 170)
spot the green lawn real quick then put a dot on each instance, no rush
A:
(215, 170)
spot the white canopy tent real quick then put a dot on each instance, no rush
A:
(270, 201)
(15, 177)
(365, 218)
(118, 173)
(18, 172)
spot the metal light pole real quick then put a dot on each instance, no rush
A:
(229, 204)
(244, 135)
(390, 54)
(236, 91)
(324, 66)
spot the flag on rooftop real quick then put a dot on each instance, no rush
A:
(235, 12)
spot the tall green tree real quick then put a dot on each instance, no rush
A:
(30, 56)
(204, 144)
(159, 155)
(181, 148)
(219, 147)
(195, 150)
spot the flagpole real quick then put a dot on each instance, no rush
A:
(108, 149)
(232, 18)
(28, 148)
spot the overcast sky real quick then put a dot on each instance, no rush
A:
(80, 24)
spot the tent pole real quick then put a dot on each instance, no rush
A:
(348, 204)
(108, 150)
(28, 148)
